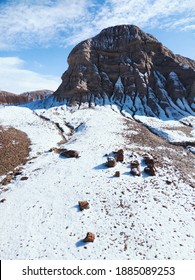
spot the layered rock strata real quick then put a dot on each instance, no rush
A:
(125, 66)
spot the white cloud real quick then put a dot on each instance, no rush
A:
(189, 27)
(15, 78)
(161, 14)
(28, 23)
(144, 12)
(61, 22)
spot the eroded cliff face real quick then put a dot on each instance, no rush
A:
(126, 66)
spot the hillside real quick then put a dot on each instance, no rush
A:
(146, 217)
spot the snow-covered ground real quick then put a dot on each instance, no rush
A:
(174, 131)
(132, 217)
(42, 134)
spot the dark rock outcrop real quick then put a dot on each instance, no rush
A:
(125, 66)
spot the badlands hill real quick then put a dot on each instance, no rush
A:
(122, 90)
(128, 67)
(15, 99)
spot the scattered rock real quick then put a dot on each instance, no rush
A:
(2, 200)
(24, 178)
(90, 237)
(148, 159)
(117, 174)
(168, 182)
(150, 169)
(135, 168)
(120, 155)
(111, 162)
(18, 173)
(83, 205)
(70, 154)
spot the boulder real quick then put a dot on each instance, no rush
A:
(151, 170)
(90, 237)
(83, 205)
(150, 162)
(135, 168)
(24, 178)
(117, 174)
(111, 162)
(168, 182)
(148, 159)
(120, 155)
(70, 154)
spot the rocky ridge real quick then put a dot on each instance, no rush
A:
(12, 98)
(128, 67)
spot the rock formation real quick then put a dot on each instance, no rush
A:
(125, 66)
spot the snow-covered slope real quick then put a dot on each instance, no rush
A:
(132, 217)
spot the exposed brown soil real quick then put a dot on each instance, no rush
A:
(14, 149)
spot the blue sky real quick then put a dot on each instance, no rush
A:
(37, 36)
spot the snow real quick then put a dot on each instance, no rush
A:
(185, 67)
(139, 106)
(160, 79)
(37, 129)
(192, 112)
(128, 60)
(119, 85)
(171, 130)
(131, 217)
(193, 105)
(45, 103)
(176, 80)
(192, 149)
